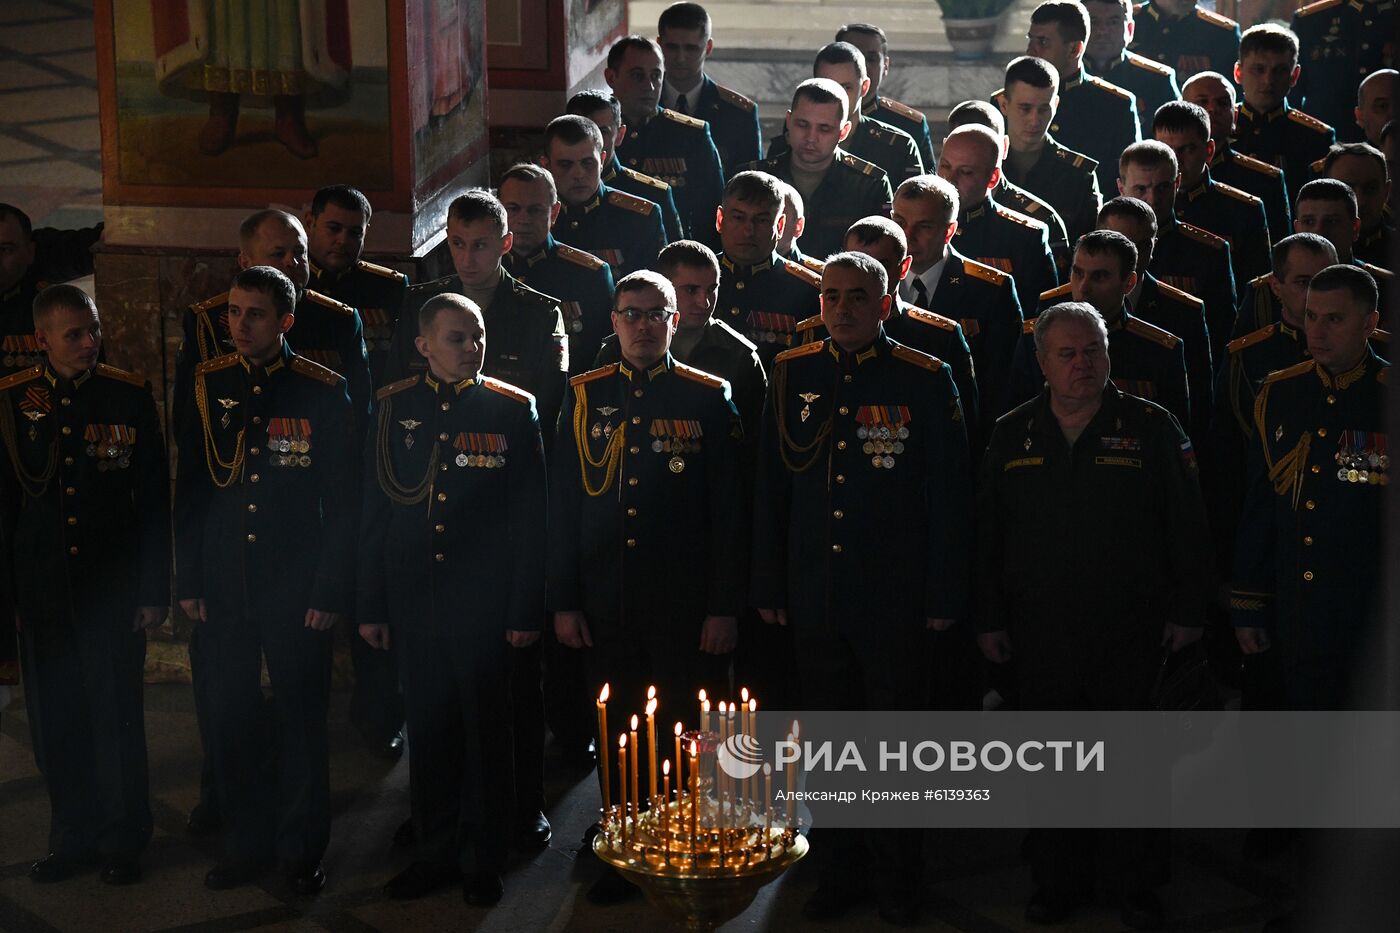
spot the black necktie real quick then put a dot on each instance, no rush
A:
(920, 294)
(680, 105)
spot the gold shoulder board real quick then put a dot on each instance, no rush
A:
(1257, 165)
(217, 363)
(1215, 19)
(682, 119)
(1237, 194)
(1201, 236)
(807, 349)
(208, 303)
(305, 367)
(1311, 122)
(809, 323)
(733, 97)
(909, 355)
(593, 374)
(121, 375)
(698, 375)
(395, 388)
(1297, 369)
(631, 202)
(933, 319)
(580, 258)
(1152, 332)
(984, 272)
(24, 375)
(323, 301)
(802, 273)
(1250, 339)
(1055, 292)
(904, 110)
(506, 389)
(382, 271)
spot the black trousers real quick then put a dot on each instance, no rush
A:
(376, 704)
(287, 816)
(83, 683)
(527, 721)
(459, 745)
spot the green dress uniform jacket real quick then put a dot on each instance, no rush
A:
(1068, 182)
(765, 302)
(1199, 263)
(1022, 201)
(989, 314)
(630, 181)
(1096, 118)
(1011, 243)
(1260, 179)
(1202, 40)
(851, 189)
(1152, 83)
(680, 151)
(893, 150)
(622, 230)
(1234, 215)
(377, 293)
(903, 117)
(1287, 138)
(733, 120)
(18, 348)
(581, 283)
(1341, 42)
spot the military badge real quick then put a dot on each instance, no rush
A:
(111, 444)
(287, 437)
(675, 436)
(409, 425)
(884, 428)
(606, 410)
(228, 405)
(480, 450)
(808, 398)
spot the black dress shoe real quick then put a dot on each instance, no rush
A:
(123, 871)
(52, 867)
(390, 749)
(227, 875)
(307, 882)
(405, 837)
(832, 901)
(611, 889)
(204, 820)
(420, 879)
(1142, 910)
(534, 830)
(1050, 906)
(482, 889)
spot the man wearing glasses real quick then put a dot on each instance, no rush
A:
(645, 471)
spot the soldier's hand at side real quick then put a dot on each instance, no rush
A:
(376, 636)
(940, 625)
(320, 620)
(1252, 639)
(148, 616)
(719, 634)
(521, 639)
(571, 628)
(1179, 636)
(996, 646)
(773, 616)
(195, 610)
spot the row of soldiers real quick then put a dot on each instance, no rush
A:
(536, 269)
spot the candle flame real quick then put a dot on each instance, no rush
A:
(768, 768)
(605, 693)
(722, 707)
(730, 714)
(753, 706)
(703, 695)
(744, 694)
(666, 767)
(634, 722)
(651, 692)
(651, 707)
(678, 730)
(705, 706)
(694, 748)
(622, 740)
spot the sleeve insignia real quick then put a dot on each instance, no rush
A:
(395, 388)
(593, 374)
(506, 389)
(631, 202)
(909, 355)
(121, 375)
(305, 367)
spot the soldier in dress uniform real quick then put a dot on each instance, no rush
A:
(1204, 202)
(1262, 302)
(1149, 362)
(623, 230)
(1093, 116)
(684, 34)
(1106, 54)
(1341, 42)
(20, 284)
(981, 113)
(336, 227)
(1375, 103)
(1362, 168)
(1214, 94)
(265, 517)
(1328, 207)
(879, 143)
(988, 232)
(647, 469)
(761, 294)
(837, 187)
(1267, 127)
(1067, 180)
(84, 502)
(854, 423)
(1311, 534)
(581, 281)
(671, 146)
(1186, 256)
(603, 109)
(873, 44)
(1186, 36)
(1163, 305)
(529, 345)
(794, 223)
(1084, 627)
(469, 447)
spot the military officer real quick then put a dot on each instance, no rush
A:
(761, 294)
(1186, 36)
(852, 423)
(325, 331)
(1106, 52)
(1067, 180)
(1093, 116)
(529, 347)
(981, 113)
(1340, 44)
(873, 44)
(1262, 302)
(1375, 104)
(837, 187)
(1311, 534)
(794, 223)
(987, 231)
(684, 34)
(20, 283)
(879, 143)
(1214, 94)
(1267, 127)
(1328, 207)
(336, 227)
(623, 230)
(1156, 302)
(1204, 202)
(603, 109)
(1186, 256)
(883, 240)
(1149, 362)
(1363, 169)
(84, 500)
(265, 519)
(645, 473)
(1084, 627)
(671, 146)
(582, 282)
(469, 447)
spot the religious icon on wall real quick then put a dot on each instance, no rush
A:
(448, 113)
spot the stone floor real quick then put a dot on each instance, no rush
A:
(976, 881)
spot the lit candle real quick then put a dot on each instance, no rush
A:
(603, 752)
(666, 792)
(651, 741)
(694, 793)
(730, 782)
(680, 781)
(791, 785)
(704, 711)
(636, 754)
(753, 730)
(767, 807)
(622, 784)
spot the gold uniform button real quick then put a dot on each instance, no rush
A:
(1321, 432)
(734, 311)
(254, 478)
(636, 419)
(840, 477)
(67, 461)
(70, 491)
(257, 390)
(1310, 505)
(252, 507)
(439, 557)
(67, 430)
(442, 467)
(836, 549)
(633, 450)
(442, 497)
(843, 410)
(636, 393)
(631, 542)
(1331, 400)
(631, 481)
(840, 445)
(442, 436)
(446, 406)
(252, 538)
(72, 520)
(838, 514)
(631, 513)
(73, 550)
(1308, 575)
(439, 528)
(846, 378)
(254, 451)
(1316, 468)
(65, 402)
(739, 286)
(1307, 539)
(257, 419)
